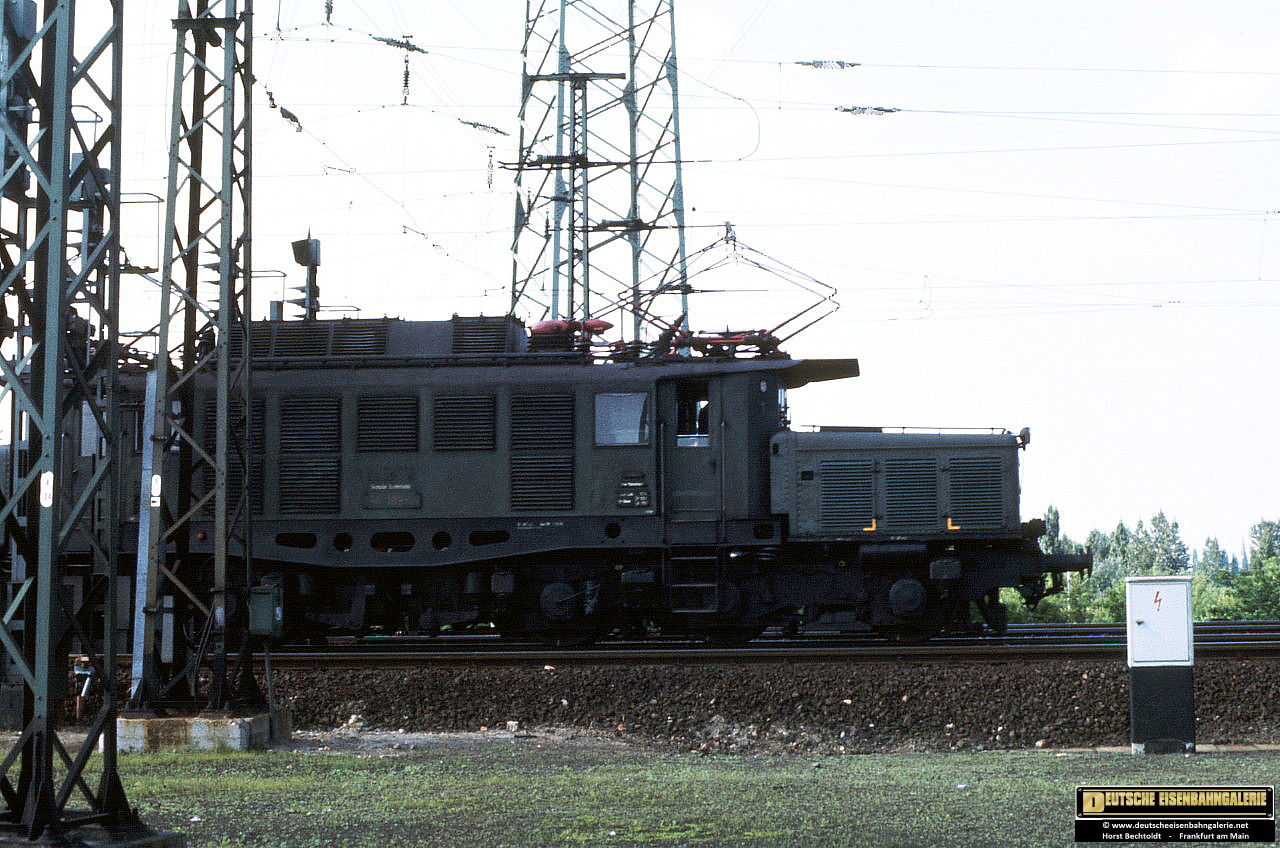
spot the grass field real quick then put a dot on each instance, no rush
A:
(503, 792)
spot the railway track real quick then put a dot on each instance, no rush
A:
(1219, 640)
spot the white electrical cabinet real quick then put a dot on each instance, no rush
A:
(1159, 621)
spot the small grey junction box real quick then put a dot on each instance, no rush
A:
(1161, 654)
(266, 611)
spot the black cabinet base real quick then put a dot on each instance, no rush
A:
(1162, 710)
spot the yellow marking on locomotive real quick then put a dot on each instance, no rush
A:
(951, 525)
(870, 529)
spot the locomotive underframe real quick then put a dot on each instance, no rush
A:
(902, 586)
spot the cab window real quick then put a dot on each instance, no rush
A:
(693, 415)
(622, 418)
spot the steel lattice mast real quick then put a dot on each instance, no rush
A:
(599, 228)
(59, 354)
(202, 336)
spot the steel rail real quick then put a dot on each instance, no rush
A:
(977, 650)
(1023, 643)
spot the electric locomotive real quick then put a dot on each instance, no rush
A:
(413, 476)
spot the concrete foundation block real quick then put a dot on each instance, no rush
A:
(201, 733)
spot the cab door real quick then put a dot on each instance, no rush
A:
(692, 448)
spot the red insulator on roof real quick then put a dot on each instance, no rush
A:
(551, 327)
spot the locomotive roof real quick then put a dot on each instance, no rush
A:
(488, 342)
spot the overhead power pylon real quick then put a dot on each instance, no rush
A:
(60, 505)
(599, 228)
(191, 479)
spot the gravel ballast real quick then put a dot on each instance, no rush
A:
(808, 706)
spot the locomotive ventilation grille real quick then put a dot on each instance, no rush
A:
(911, 494)
(541, 483)
(310, 442)
(235, 468)
(309, 484)
(977, 492)
(310, 424)
(292, 339)
(463, 423)
(359, 339)
(480, 335)
(387, 424)
(542, 444)
(542, 422)
(846, 499)
(260, 336)
(299, 339)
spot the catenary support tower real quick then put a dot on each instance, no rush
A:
(202, 334)
(60, 81)
(599, 227)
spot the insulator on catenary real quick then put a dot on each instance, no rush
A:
(829, 64)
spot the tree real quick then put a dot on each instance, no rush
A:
(1213, 560)
(1212, 595)
(1075, 604)
(1222, 586)
(1130, 553)
(1264, 539)
(1117, 556)
(1257, 586)
(1169, 553)
(1257, 589)
(1053, 542)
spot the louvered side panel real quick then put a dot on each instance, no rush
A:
(310, 424)
(977, 492)
(910, 494)
(480, 335)
(360, 339)
(541, 483)
(464, 423)
(259, 337)
(542, 422)
(257, 450)
(310, 484)
(542, 444)
(256, 447)
(387, 424)
(301, 338)
(257, 426)
(846, 502)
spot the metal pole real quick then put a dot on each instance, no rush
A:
(671, 71)
(633, 148)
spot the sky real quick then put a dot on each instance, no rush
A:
(1068, 224)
